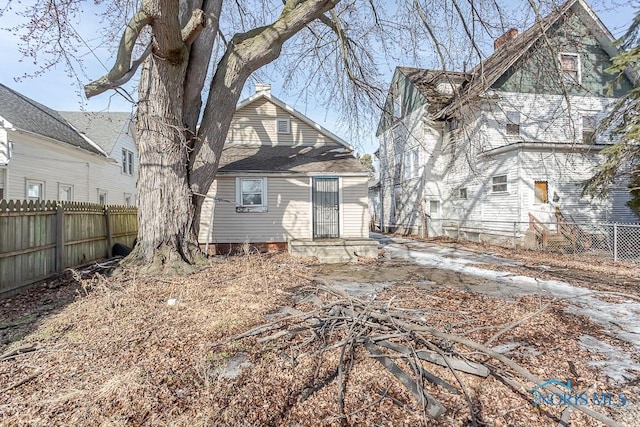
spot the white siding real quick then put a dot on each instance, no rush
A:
(4, 147)
(543, 118)
(58, 164)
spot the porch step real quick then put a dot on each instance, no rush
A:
(334, 250)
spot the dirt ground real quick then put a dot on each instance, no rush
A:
(142, 350)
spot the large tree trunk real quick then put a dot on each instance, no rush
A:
(167, 233)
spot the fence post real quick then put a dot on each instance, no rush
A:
(615, 242)
(108, 223)
(515, 235)
(59, 237)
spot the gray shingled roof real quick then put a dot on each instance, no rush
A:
(101, 127)
(302, 159)
(28, 115)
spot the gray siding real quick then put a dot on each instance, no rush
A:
(355, 210)
(255, 123)
(287, 217)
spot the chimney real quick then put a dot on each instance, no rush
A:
(506, 37)
(263, 87)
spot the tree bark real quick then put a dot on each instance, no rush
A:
(167, 239)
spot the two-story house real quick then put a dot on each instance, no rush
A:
(511, 140)
(44, 156)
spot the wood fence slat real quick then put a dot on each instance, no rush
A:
(38, 239)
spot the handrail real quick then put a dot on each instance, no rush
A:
(541, 230)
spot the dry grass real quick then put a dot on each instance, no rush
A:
(119, 354)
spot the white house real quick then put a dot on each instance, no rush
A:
(285, 181)
(44, 157)
(509, 142)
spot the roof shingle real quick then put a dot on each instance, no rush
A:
(28, 115)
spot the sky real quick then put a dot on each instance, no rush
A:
(60, 91)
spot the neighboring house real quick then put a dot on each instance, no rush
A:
(114, 133)
(44, 157)
(508, 142)
(284, 180)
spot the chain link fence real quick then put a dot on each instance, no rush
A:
(620, 242)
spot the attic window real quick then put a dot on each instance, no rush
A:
(513, 122)
(283, 126)
(589, 124)
(570, 67)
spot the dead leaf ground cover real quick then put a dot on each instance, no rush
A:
(115, 352)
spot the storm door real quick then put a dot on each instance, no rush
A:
(326, 208)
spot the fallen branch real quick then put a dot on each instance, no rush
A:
(432, 406)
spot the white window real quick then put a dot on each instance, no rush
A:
(462, 193)
(411, 163)
(65, 192)
(102, 197)
(408, 166)
(283, 126)
(127, 162)
(513, 122)
(570, 67)
(251, 194)
(434, 207)
(128, 199)
(35, 190)
(499, 184)
(589, 125)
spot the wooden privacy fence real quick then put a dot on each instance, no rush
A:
(40, 239)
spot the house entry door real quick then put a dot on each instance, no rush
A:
(326, 208)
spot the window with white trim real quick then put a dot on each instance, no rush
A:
(462, 193)
(35, 190)
(434, 207)
(499, 184)
(65, 192)
(283, 126)
(102, 197)
(570, 67)
(589, 125)
(513, 122)
(251, 194)
(127, 162)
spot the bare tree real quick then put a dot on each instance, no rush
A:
(189, 47)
